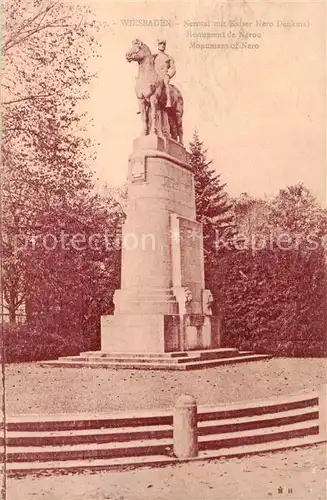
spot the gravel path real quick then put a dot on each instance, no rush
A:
(32, 389)
(300, 473)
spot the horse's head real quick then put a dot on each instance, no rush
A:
(138, 52)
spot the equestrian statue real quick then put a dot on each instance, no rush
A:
(160, 103)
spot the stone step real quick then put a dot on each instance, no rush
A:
(146, 294)
(211, 355)
(23, 468)
(82, 436)
(258, 421)
(129, 360)
(142, 308)
(225, 361)
(165, 355)
(158, 446)
(89, 450)
(217, 350)
(87, 421)
(259, 408)
(155, 297)
(153, 358)
(252, 436)
(107, 435)
(190, 365)
(250, 353)
(220, 352)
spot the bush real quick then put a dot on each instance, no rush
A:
(272, 301)
(287, 349)
(54, 334)
(39, 341)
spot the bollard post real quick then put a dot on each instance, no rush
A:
(322, 402)
(185, 427)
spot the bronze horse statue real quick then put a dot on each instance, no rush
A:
(152, 99)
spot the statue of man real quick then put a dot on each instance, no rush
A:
(165, 67)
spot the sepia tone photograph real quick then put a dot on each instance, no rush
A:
(163, 250)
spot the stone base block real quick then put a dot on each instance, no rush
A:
(154, 302)
(159, 333)
(164, 144)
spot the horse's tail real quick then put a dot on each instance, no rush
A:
(180, 105)
(178, 100)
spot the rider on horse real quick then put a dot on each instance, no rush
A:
(154, 92)
(165, 67)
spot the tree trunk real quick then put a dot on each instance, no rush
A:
(12, 314)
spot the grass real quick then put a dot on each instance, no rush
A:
(292, 475)
(33, 389)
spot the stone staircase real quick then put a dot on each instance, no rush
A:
(187, 360)
(35, 444)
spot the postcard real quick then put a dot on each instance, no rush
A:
(163, 228)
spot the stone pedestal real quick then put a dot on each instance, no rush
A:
(162, 305)
(185, 427)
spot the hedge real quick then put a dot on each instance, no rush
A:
(41, 341)
(272, 301)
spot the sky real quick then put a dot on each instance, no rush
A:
(260, 112)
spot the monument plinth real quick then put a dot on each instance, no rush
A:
(163, 317)
(162, 305)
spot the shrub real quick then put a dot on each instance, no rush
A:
(272, 301)
(39, 341)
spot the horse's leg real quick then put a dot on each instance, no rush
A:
(173, 126)
(147, 117)
(142, 108)
(179, 117)
(139, 102)
(180, 128)
(165, 124)
(153, 114)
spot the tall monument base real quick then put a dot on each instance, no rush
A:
(175, 361)
(159, 333)
(163, 318)
(163, 305)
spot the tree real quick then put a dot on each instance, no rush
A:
(213, 208)
(73, 267)
(296, 212)
(273, 288)
(46, 44)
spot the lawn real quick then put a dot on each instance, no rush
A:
(33, 389)
(292, 475)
